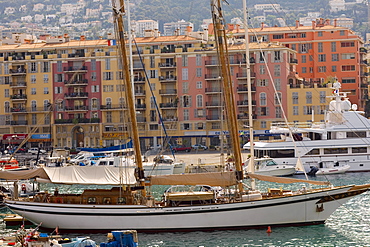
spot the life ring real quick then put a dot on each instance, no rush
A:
(58, 200)
(23, 187)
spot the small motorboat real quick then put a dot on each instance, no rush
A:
(267, 166)
(332, 167)
(126, 238)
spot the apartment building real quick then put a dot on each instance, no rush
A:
(324, 51)
(70, 93)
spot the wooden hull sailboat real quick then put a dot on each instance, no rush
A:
(301, 209)
(209, 208)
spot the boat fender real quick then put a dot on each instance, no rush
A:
(58, 200)
(24, 189)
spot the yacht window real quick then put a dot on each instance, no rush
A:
(122, 200)
(271, 163)
(91, 200)
(314, 151)
(106, 200)
(359, 150)
(335, 150)
(358, 134)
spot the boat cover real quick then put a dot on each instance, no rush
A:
(284, 180)
(102, 175)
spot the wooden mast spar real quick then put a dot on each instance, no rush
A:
(232, 123)
(118, 13)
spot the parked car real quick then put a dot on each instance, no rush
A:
(181, 148)
(199, 146)
(36, 150)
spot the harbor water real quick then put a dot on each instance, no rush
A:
(348, 226)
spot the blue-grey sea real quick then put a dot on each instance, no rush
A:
(348, 226)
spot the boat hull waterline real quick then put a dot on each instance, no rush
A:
(304, 209)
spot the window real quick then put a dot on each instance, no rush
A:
(261, 57)
(307, 110)
(263, 99)
(295, 110)
(6, 93)
(199, 59)
(341, 32)
(95, 88)
(186, 114)
(93, 76)
(185, 87)
(46, 67)
(108, 88)
(59, 66)
(34, 119)
(347, 44)
(186, 101)
(294, 47)
(33, 79)
(263, 111)
(107, 76)
(94, 104)
(199, 101)
(278, 36)
(304, 70)
(263, 125)
(320, 47)
(277, 84)
(46, 90)
(304, 58)
(319, 33)
(334, 57)
(348, 80)
(322, 57)
(334, 68)
(108, 116)
(33, 105)
(153, 73)
(303, 48)
(262, 82)
(295, 97)
(33, 90)
(93, 64)
(7, 106)
(152, 62)
(199, 72)
(348, 67)
(46, 78)
(277, 56)
(262, 69)
(333, 47)
(348, 56)
(185, 74)
(277, 98)
(277, 70)
(278, 112)
(199, 85)
(184, 60)
(107, 64)
(322, 97)
(322, 69)
(308, 97)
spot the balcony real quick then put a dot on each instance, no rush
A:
(138, 66)
(139, 79)
(74, 69)
(293, 60)
(211, 62)
(244, 75)
(83, 82)
(168, 78)
(363, 50)
(19, 71)
(140, 106)
(18, 110)
(364, 85)
(140, 93)
(212, 77)
(213, 117)
(242, 103)
(20, 122)
(168, 105)
(363, 74)
(141, 119)
(18, 97)
(77, 120)
(112, 107)
(245, 116)
(76, 95)
(212, 90)
(76, 108)
(213, 104)
(166, 65)
(18, 84)
(244, 89)
(168, 91)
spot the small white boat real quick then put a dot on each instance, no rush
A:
(333, 167)
(267, 166)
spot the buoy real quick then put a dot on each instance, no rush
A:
(269, 229)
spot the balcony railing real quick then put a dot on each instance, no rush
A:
(213, 90)
(212, 76)
(76, 108)
(75, 68)
(17, 109)
(111, 106)
(18, 71)
(141, 119)
(166, 65)
(18, 84)
(18, 96)
(20, 122)
(293, 60)
(167, 105)
(167, 78)
(76, 83)
(77, 120)
(140, 106)
(77, 95)
(213, 117)
(168, 91)
(244, 75)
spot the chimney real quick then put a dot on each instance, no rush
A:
(237, 28)
(156, 33)
(296, 23)
(313, 24)
(148, 33)
(189, 29)
(262, 25)
(66, 37)
(335, 23)
(82, 38)
(205, 37)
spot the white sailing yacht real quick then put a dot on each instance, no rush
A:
(130, 207)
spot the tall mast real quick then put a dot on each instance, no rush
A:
(232, 122)
(249, 86)
(118, 13)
